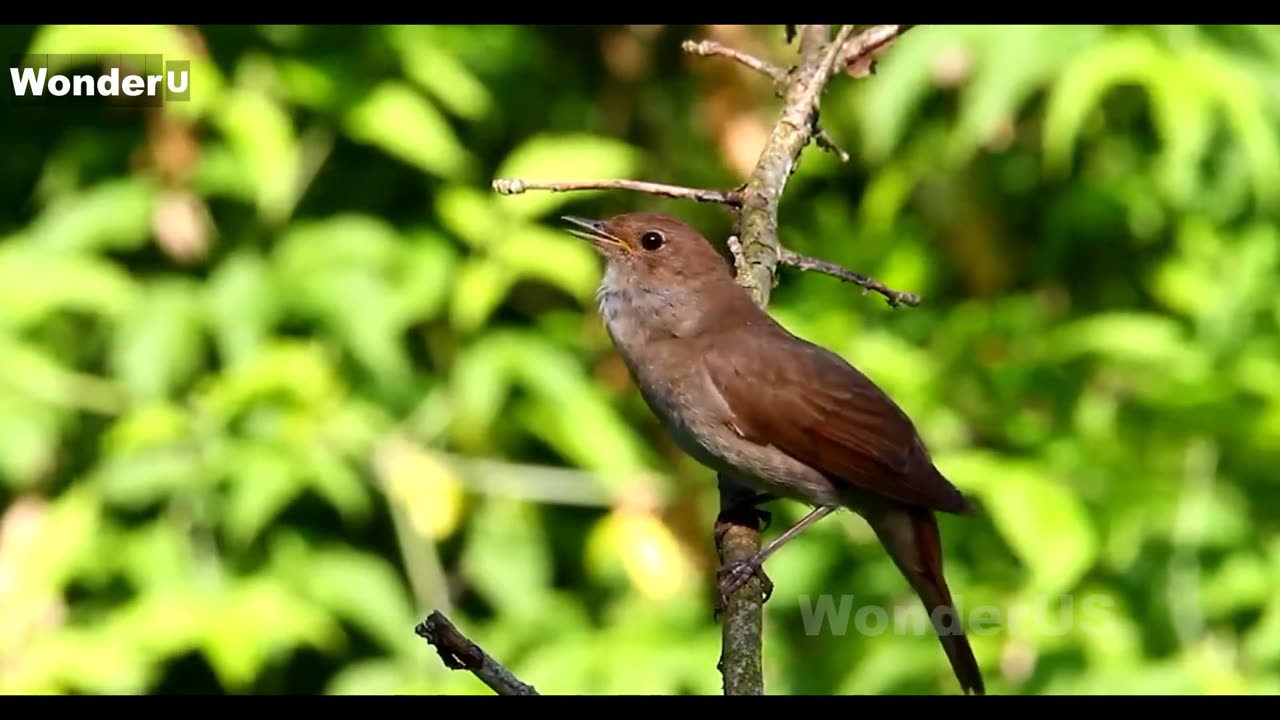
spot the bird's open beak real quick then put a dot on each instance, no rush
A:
(593, 230)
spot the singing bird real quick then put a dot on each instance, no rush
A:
(774, 412)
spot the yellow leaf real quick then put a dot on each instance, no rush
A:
(426, 487)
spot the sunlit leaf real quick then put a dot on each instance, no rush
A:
(550, 256)
(479, 287)
(112, 215)
(28, 440)
(260, 132)
(395, 118)
(137, 480)
(363, 589)
(35, 283)
(428, 488)
(439, 72)
(1013, 62)
(890, 98)
(241, 305)
(425, 278)
(259, 618)
(159, 342)
(261, 481)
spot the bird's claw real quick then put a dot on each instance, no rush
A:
(734, 576)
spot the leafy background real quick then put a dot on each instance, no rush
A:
(279, 372)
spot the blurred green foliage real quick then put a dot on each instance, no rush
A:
(279, 372)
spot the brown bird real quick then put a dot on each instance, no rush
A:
(782, 416)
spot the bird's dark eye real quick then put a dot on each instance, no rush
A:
(651, 241)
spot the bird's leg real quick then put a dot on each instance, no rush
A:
(733, 576)
(739, 508)
(744, 506)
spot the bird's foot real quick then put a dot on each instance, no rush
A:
(735, 575)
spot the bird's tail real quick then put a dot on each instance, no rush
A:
(911, 537)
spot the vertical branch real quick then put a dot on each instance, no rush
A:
(739, 532)
(742, 625)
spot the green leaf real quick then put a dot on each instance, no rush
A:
(479, 288)
(362, 589)
(1038, 515)
(36, 283)
(111, 215)
(425, 278)
(1014, 61)
(260, 132)
(395, 118)
(140, 479)
(1144, 338)
(1242, 99)
(262, 481)
(28, 370)
(158, 555)
(471, 215)
(439, 72)
(1182, 104)
(506, 557)
(553, 257)
(63, 543)
(28, 440)
(335, 481)
(902, 81)
(297, 372)
(241, 304)
(256, 623)
(158, 344)
(1241, 583)
(338, 241)
(563, 157)
(568, 401)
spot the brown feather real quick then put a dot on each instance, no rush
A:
(911, 537)
(842, 425)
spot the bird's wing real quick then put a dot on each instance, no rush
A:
(825, 413)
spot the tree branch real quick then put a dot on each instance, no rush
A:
(757, 253)
(737, 534)
(894, 297)
(515, 186)
(759, 221)
(459, 653)
(708, 48)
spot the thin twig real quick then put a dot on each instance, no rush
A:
(871, 40)
(893, 297)
(708, 48)
(459, 653)
(515, 186)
